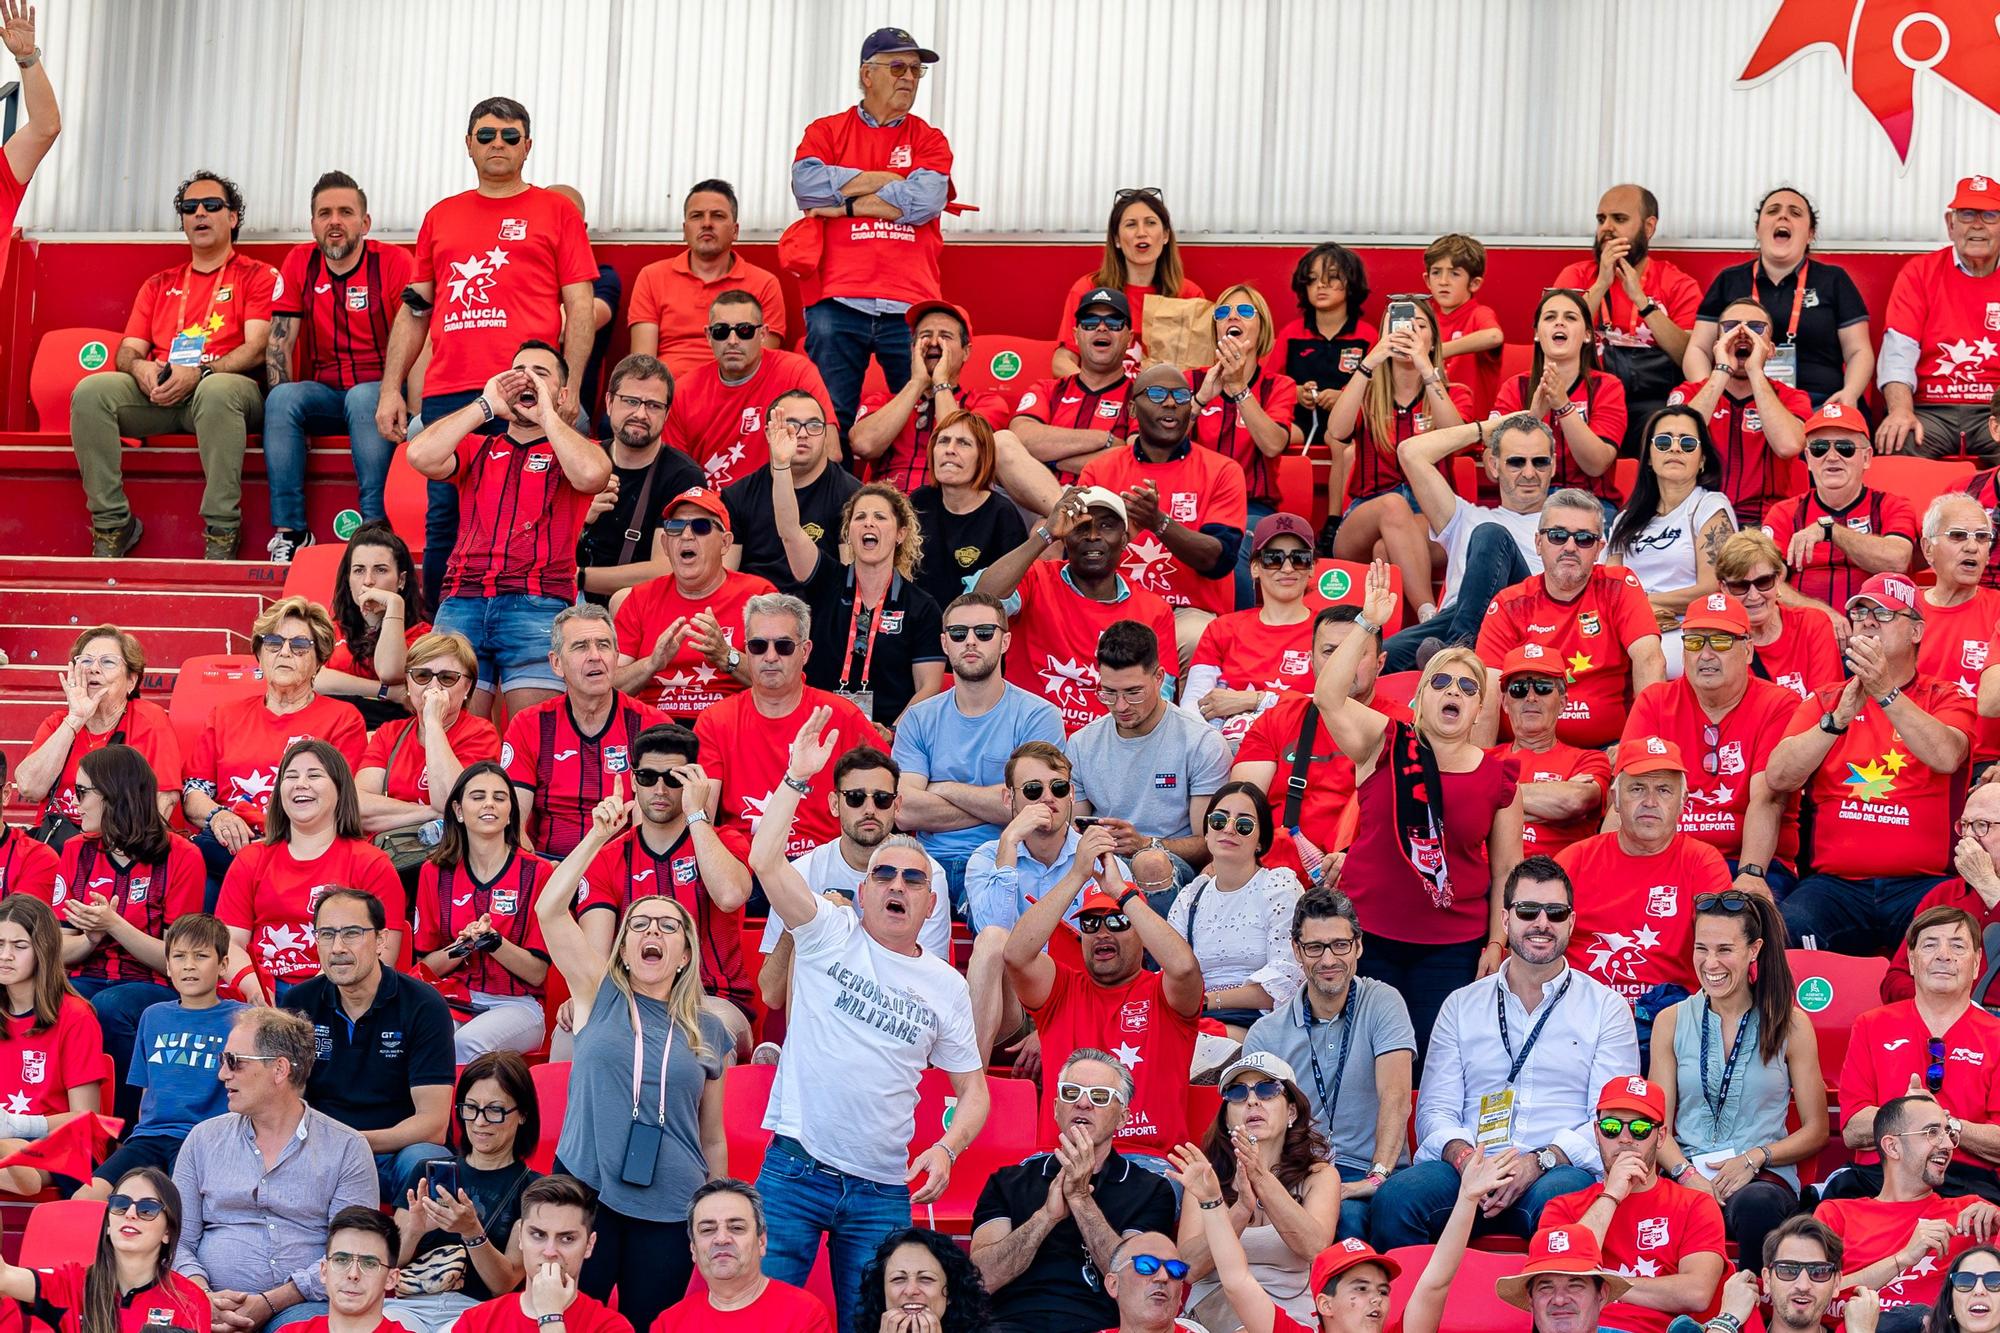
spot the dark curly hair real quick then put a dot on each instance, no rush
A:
(232, 195)
(966, 1307)
(1304, 1147)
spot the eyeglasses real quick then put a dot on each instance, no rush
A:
(745, 332)
(782, 647)
(1665, 443)
(1146, 1265)
(1316, 949)
(1583, 537)
(1984, 536)
(82, 789)
(189, 207)
(809, 429)
(1160, 393)
(1267, 1090)
(341, 934)
(1130, 694)
(700, 527)
(1728, 900)
(1518, 688)
(493, 1113)
(1760, 327)
(1444, 680)
(1978, 828)
(1527, 910)
(887, 875)
(367, 1263)
(983, 633)
(1515, 463)
(1297, 559)
(1057, 787)
(644, 924)
(278, 643)
(425, 675)
(900, 69)
(1938, 1133)
(1881, 615)
(859, 796)
(1762, 583)
(1818, 448)
(1720, 640)
(640, 404)
(1934, 1071)
(1788, 1270)
(1964, 1280)
(120, 1204)
(234, 1063)
(653, 777)
(101, 663)
(1092, 323)
(1610, 1126)
(1069, 1094)
(1987, 215)
(1218, 820)
(510, 136)
(1242, 310)
(1092, 922)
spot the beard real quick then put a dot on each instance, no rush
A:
(979, 673)
(1635, 256)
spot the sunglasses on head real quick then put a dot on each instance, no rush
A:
(1526, 910)
(189, 207)
(1667, 443)
(510, 136)
(983, 633)
(1069, 1094)
(1516, 462)
(1788, 1270)
(425, 675)
(1092, 323)
(1267, 1090)
(856, 797)
(1845, 448)
(886, 875)
(1720, 640)
(1444, 680)
(1296, 558)
(744, 332)
(1242, 310)
(276, 643)
(1729, 900)
(1057, 787)
(119, 1205)
(1219, 820)
(1964, 1280)
(700, 527)
(1138, 192)
(1518, 687)
(653, 777)
(1762, 583)
(782, 647)
(1146, 1265)
(1160, 393)
(1611, 1126)
(1583, 537)
(1092, 922)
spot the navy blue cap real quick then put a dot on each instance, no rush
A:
(1105, 296)
(887, 41)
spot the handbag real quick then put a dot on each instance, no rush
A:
(801, 245)
(405, 846)
(433, 1274)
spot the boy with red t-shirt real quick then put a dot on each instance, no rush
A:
(1468, 331)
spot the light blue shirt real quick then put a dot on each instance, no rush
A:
(920, 196)
(938, 742)
(996, 895)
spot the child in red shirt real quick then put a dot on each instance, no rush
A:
(1454, 271)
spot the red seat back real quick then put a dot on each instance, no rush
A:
(1471, 1305)
(62, 358)
(1007, 1138)
(746, 1092)
(405, 500)
(1005, 364)
(1918, 480)
(1834, 990)
(552, 1095)
(315, 572)
(204, 682)
(62, 1231)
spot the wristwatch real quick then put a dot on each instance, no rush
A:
(1646, 310)
(1238, 396)
(1546, 1159)
(1826, 724)
(1752, 869)
(697, 817)
(802, 788)
(734, 660)
(1676, 1173)
(1890, 697)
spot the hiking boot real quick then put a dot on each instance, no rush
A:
(110, 543)
(286, 543)
(219, 544)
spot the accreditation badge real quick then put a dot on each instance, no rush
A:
(1496, 1120)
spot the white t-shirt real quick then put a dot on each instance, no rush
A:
(863, 1025)
(825, 870)
(1457, 540)
(1663, 557)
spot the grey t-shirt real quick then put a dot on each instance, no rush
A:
(1149, 779)
(1382, 1025)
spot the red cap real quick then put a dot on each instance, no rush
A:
(916, 313)
(701, 498)
(1896, 591)
(1718, 610)
(1650, 755)
(1838, 416)
(1273, 526)
(1569, 1251)
(1632, 1093)
(1532, 659)
(1976, 192)
(1342, 1255)
(1096, 900)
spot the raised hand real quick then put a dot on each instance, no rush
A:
(17, 27)
(696, 788)
(1190, 1167)
(607, 821)
(810, 750)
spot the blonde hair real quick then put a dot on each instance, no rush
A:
(685, 997)
(1464, 658)
(429, 647)
(318, 623)
(1744, 551)
(1267, 337)
(1378, 401)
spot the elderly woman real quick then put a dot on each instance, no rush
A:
(1675, 522)
(233, 772)
(1141, 259)
(101, 707)
(1237, 917)
(965, 524)
(1795, 640)
(378, 607)
(410, 764)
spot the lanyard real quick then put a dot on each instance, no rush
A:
(1716, 1100)
(187, 284)
(1798, 294)
(853, 629)
(1326, 1106)
(1534, 1033)
(639, 1062)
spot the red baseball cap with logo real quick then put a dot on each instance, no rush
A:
(1837, 416)
(1532, 659)
(1632, 1093)
(1650, 755)
(704, 499)
(1342, 1255)
(1977, 192)
(914, 315)
(1718, 610)
(1898, 592)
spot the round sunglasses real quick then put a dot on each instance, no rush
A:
(1219, 820)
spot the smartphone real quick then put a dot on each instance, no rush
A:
(1402, 313)
(1084, 822)
(441, 1177)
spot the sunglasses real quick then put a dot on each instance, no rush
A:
(83, 789)
(1729, 900)
(1984, 536)
(1818, 448)
(653, 777)
(1517, 463)
(1610, 1126)
(425, 675)
(1720, 640)
(1760, 327)
(1160, 393)
(1218, 820)
(189, 207)
(1115, 922)
(277, 643)
(646, 925)
(744, 332)
(1316, 949)
(1518, 689)
(1665, 443)
(118, 1205)
(1934, 1071)
(1583, 537)
(1762, 583)
(487, 134)
(1057, 787)
(1242, 310)
(700, 527)
(860, 796)
(493, 1113)
(983, 633)
(1092, 323)
(1069, 1094)
(1267, 1090)
(901, 69)
(1146, 1265)
(234, 1063)
(886, 875)
(1444, 680)
(1525, 910)
(1788, 1270)
(1961, 1280)
(1141, 192)
(782, 647)
(1297, 559)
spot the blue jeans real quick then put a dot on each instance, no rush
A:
(1492, 562)
(397, 1173)
(510, 637)
(1246, 588)
(840, 339)
(1413, 1205)
(954, 877)
(301, 407)
(1860, 917)
(441, 514)
(804, 1200)
(1353, 1223)
(118, 1005)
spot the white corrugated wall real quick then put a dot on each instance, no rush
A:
(1363, 119)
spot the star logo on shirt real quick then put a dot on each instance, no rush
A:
(1966, 689)
(1873, 780)
(1128, 1055)
(704, 674)
(1579, 662)
(1148, 563)
(496, 259)
(1640, 1268)
(753, 811)
(471, 281)
(1894, 762)
(17, 1104)
(719, 466)
(1961, 359)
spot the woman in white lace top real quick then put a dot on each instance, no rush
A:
(1238, 916)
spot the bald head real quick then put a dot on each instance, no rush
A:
(1984, 802)
(1163, 425)
(570, 193)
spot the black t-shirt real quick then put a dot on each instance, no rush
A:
(363, 1071)
(607, 288)
(958, 546)
(911, 624)
(1061, 1291)
(1832, 302)
(750, 520)
(496, 1196)
(602, 541)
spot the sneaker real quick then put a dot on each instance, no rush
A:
(767, 1053)
(287, 542)
(1327, 530)
(1430, 647)
(219, 544)
(110, 543)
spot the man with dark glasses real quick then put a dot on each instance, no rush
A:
(1878, 760)
(1666, 1238)
(1755, 421)
(1148, 1279)
(1065, 421)
(1595, 618)
(616, 549)
(1937, 1043)
(1975, 889)
(1841, 530)
(1563, 788)
(1044, 1232)
(1936, 393)
(718, 414)
(891, 436)
(1801, 1267)
(192, 361)
(797, 426)
(497, 265)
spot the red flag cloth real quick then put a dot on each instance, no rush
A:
(73, 1149)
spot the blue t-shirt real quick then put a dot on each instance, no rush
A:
(938, 742)
(174, 1059)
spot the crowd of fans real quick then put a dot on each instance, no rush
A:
(866, 665)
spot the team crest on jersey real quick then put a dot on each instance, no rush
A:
(1588, 623)
(752, 422)
(1993, 314)
(135, 888)
(615, 760)
(1350, 359)
(815, 531)
(1135, 1016)
(1653, 1233)
(506, 754)
(1730, 757)
(506, 901)
(224, 293)
(1028, 400)
(1972, 655)
(686, 870)
(892, 622)
(1107, 408)
(1297, 662)
(357, 298)
(965, 555)
(1663, 900)
(899, 157)
(537, 463)
(34, 1066)
(1182, 506)
(1858, 523)
(1753, 420)
(1811, 299)
(513, 229)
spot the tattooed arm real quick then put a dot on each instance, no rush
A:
(278, 352)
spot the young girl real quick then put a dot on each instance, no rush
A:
(1583, 406)
(52, 1055)
(131, 1285)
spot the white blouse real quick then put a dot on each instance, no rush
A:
(1243, 936)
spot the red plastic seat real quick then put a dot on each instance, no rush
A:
(405, 500)
(1341, 583)
(1834, 990)
(1918, 480)
(62, 1231)
(62, 358)
(1397, 687)
(552, 1095)
(1471, 1305)
(1007, 1138)
(746, 1092)
(204, 682)
(987, 366)
(1203, 1101)
(315, 572)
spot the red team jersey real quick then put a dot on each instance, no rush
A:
(1560, 763)
(874, 257)
(399, 751)
(235, 759)
(1055, 638)
(1274, 739)
(1373, 466)
(1889, 1046)
(1952, 316)
(27, 866)
(627, 868)
(1254, 656)
(779, 1308)
(343, 658)
(1805, 656)
(1197, 486)
(1133, 1020)
(566, 773)
(1600, 400)
(1753, 477)
(721, 426)
(1135, 296)
(1718, 780)
(174, 1301)
(688, 684)
(503, 1314)
(1479, 371)
(212, 306)
(669, 295)
(144, 727)
(1070, 404)
(1652, 1233)
(37, 1069)
(1879, 810)
(1955, 647)
(1617, 319)
(1874, 1229)
(450, 898)
(344, 318)
(1592, 636)
(906, 464)
(521, 520)
(149, 895)
(1219, 426)
(499, 266)
(1829, 576)
(1635, 928)
(746, 752)
(270, 894)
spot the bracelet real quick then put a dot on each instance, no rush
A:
(775, 468)
(473, 1242)
(802, 788)
(1725, 1320)
(29, 61)
(1365, 371)
(1567, 409)
(1131, 892)
(1042, 531)
(265, 1297)
(543, 1321)
(697, 817)
(1210, 1203)
(942, 387)
(486, 408)
(949, 1155)
(1890, 697)
(1237, 397)
(848, 204)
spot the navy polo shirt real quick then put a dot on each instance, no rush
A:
(363, 1069)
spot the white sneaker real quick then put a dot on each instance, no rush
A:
(766, 1053)
(287, 542)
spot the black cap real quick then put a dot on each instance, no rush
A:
(1105, 296)
(886, 41)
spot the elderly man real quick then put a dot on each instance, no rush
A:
(1939, 365)
(1594, 618)
(726, 1231)
(879, 178)
(1064, 422)
(1878, 759)
(871, 1010)
(717, 418)
(1665, 1238)
(1043, 1232)
(668, 312)
(1975, 889)
(1059, 608)
(891, 438)
(820, 484)
(1841, 530)
(616, 550)
(1754, 420)
(563, 754)
(1564, 788)
(677, 633)
(1958, 613)
(261, 1184)
(1719, 710)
